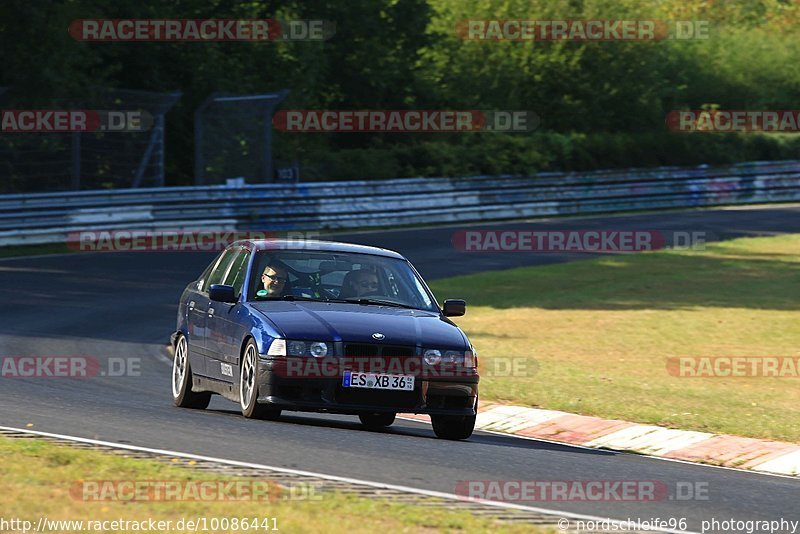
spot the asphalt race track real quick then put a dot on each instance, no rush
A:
(123, 305)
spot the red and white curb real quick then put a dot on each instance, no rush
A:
(765, 456)
(594, 432)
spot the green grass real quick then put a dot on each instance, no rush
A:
(37, 478)
(595, 335)
(34, 250)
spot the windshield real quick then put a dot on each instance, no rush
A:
(337, 277)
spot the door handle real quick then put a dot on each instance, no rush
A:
(210, 312)
(191, 305)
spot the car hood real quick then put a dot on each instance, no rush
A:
(356, 323)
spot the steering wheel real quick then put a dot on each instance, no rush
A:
(312, 281)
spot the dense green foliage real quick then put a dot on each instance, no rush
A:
(602, 104)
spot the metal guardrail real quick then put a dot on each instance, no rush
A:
(52, 217)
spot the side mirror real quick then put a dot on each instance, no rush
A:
(454, 307)
(222, 293)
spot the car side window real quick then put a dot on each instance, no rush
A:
(201, 282)
(220, 269)
(237, 271)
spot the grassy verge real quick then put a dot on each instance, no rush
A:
(39, 479)
(34, 250)
(594, 337)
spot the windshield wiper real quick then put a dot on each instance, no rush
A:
(290, 297)
(379, 303)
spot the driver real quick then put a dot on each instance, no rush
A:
(274, 279)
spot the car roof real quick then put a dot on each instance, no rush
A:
(314, 245)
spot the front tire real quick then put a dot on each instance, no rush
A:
(453, 427)
(248, 387)
(182, 394)
(377, 420)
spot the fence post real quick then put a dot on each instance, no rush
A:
(160, 151)
(76, 161)
(199, 163)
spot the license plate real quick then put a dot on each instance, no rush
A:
(377, 381)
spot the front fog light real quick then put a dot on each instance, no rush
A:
(432, 356)
(319, 350)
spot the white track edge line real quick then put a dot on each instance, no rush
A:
(579, 446)
(167, 361)
(405, 489)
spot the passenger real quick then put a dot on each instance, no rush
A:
(360, 284)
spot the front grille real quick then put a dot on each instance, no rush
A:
(373, 358)
(397, 352)
(361, 350)
(367, 350)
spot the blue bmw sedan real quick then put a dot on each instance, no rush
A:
(324, 327)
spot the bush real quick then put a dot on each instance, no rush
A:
(478, 154)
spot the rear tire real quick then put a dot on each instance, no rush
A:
(248, 387)
(377, 420)
(182, 394)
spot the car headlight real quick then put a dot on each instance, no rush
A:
(433, 356)
(317, 349)
(451, 357)
(297, 348)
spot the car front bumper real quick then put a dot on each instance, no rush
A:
(432, 394)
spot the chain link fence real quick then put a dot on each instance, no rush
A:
(233, 137)
(32, 161)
